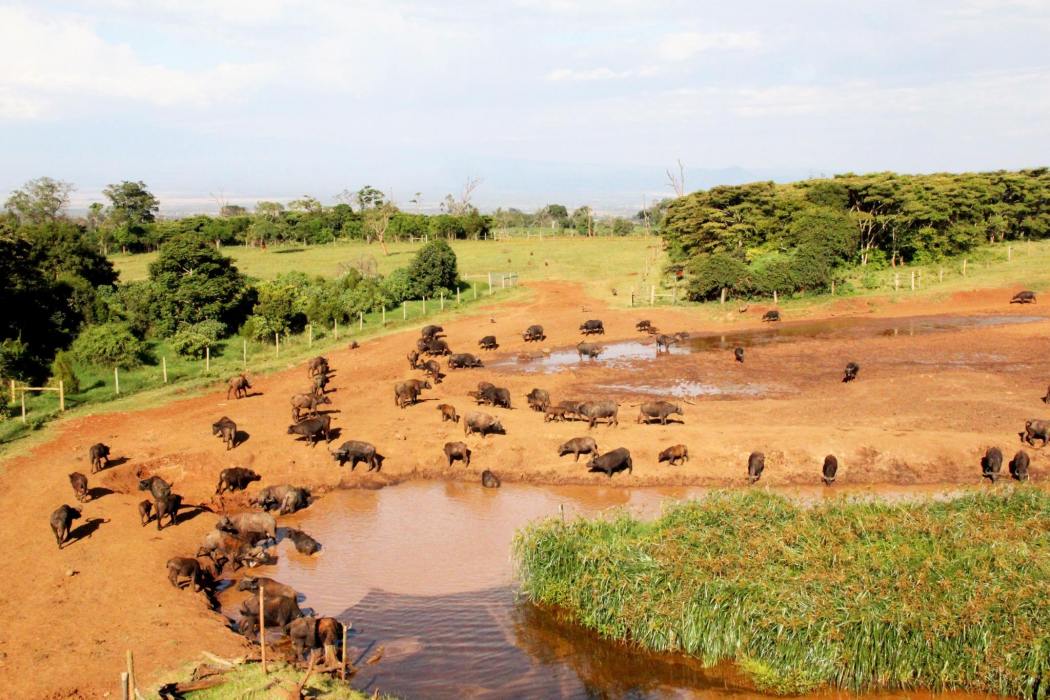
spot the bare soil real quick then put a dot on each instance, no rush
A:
(922, 411)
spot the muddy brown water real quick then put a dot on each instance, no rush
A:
(423, 571)
(633, 353)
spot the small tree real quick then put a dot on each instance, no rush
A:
(433, 269)
(109, 345)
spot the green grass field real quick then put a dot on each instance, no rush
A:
(852, 594)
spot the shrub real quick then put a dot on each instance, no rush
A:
(709, 274)
(397, 287)
(433, 270)
(62, 371)
(191, 340)
(109, 345)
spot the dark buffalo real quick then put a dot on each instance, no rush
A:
(235, 479)
(431, 332)
(489, 480)
(284, 497)
(612, 462)
(594, 326)
(738, 353)
(533, 333)
(771, 316)
(1025, 297)
(756, 464)
(992, 464)
(186, 569)
(477, 422)
(320, 387)
(1036, 429)
(462, 360)
(308, 633)
(558, 413)
(317, 365)
(657, 410)
(1019, 466)
(829, 470)
(538, 399)
(227, 430)
(145, 511)
(488, 343)
(355, 451)
(437, 347)
(413, 359)
(1046, 399)
(308, 403)
(448, 413)
(312, 429)
(851, 372)
(664, 342)
(240, 549)
(278, 611)
(238, 386)
(407, 392)
(643, 325)
(61, 520)
(168, 506)
(304, 544)
(593, 411)
(572, 408)
(157, 487)
(495, 396)
(674, 455)
(433, 370)
(457, 450)
(99, 455)
(249, 524)
(591, 350)
(578, 446)
(80, 486)
(270, 587)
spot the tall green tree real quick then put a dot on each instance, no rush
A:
(38, 201)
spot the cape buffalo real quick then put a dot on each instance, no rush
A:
(851, 372)
(457, 450)
(738, 353)
(674, 455)
(61, 520)
(591, 327)
(145, 511)
(829, 470)
(771, 316)
(643, 325)
(477, 422)
(578, 446)
(304, 544)
(1025, 297)
(227, 430)
(80, 486)
(591, 350)
(157, 487)
(657, 410)
(448, 413)
(317, 365)
(533, 333)
(664, 342)
(611, 462)
(277, 612)
(99, 455)
(493, 395)
(180, 568)
(308, 403)
(437, 347)
(538, 399)
(572, 408)
(1046, 399)
(269, 586)
(489, 480)
(313, 429)
(238, 386)
(248, 523)
(1019, 466)
(168, 506)
(488, 343)
(593, 411)
(413, 359)
(284, 497)
(235, 479)
(307, 633)
(1036, 429)
(756, 464)
(433, 370)
(551, 413)
(407, 392)
(355, 451)
(463, 359)
(431, 332)
(992, 464)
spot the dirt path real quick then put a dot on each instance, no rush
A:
(923, 410)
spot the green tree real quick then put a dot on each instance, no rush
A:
(193, 282)
(38, 201)
(131, 204)
(433, 270)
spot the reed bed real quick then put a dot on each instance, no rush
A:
(848, 593)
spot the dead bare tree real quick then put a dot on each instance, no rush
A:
(677, 182)
(377, 221)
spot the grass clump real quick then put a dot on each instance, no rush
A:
(248, 681)
(858, 595)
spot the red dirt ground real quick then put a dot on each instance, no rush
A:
(922, 412)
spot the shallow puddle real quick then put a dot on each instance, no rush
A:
(632, 353)
(424, 572)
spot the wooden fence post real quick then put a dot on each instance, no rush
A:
(913, 280)
(832, 287)
(475, 291)
(13, 387)
(940, 275)
(384, 314)
(23, 406)
(132, 688)
(276, 344)
(404, 311)
(490, 283)
(442, 301)
(262, 629)
(652, 294)
(775, 300)
(164, 368)
(244, 353)
(964, 266)
(896, 281)
(360, 320)
(207, 358)
(61, 395)
(124, 690)
(721, 301)
(116, 380)
(335, 328)
(342, 671)
(458, 299)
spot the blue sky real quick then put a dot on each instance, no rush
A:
(544, 100)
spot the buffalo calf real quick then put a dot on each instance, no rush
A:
(61, 520)
(1019, 466)
(304, 544)
(829, 470)
(674, 455)
(992, 464)
(489, 480)
(448, 413)
(80, 486)
(145, 511)
(184, 568)
(457, 451)
(756, 464)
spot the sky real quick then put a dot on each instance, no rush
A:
(544, 101)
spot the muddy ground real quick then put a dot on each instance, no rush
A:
(922, 412)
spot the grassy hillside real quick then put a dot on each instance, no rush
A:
(952, 595)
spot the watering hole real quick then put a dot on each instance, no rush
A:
(632, 354)
(424, 572)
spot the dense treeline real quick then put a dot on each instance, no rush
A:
(762, 237)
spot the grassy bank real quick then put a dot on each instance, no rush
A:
(144, 386)
(941, 595)
(248, 681)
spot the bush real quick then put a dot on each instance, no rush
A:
(433, 270)
(62, 371)
(191, 340)
(709, 274)
(109, 345)
(397, 287)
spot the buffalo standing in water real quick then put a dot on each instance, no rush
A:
(489, 480)
(992, 464)
(831, 468)
(756, 464)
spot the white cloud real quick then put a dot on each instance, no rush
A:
(684, 45)
(603, 73)
(50, 61)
